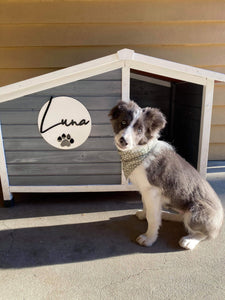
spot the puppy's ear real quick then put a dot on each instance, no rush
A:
(116, 110)
(154, 120)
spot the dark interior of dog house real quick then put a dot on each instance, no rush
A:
(181, 103)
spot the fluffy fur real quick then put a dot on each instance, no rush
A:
(164, 178)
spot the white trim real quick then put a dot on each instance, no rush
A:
(124, 57)
(3, 171)
(72, 188)
(167, 72)
(206, 114)
(177, 67)
(126, 84)
(57, 78)
(124, 181)
(125, 54)
(151, 80)
(125, 95)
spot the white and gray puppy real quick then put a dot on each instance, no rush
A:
(163, 177)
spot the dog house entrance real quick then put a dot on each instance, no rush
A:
(180, 101)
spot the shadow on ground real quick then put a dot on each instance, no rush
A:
(28, 205)
(50, 245)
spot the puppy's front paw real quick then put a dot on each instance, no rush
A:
(140, 214)
(188, 243)
(146, 241)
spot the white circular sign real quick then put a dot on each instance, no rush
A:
(64, 122)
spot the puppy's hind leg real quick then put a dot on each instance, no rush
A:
(195, 235)
(192, 240)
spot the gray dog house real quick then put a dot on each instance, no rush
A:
(56, 135)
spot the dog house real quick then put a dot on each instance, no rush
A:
(55, 132)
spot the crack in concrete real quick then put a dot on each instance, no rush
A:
(125, 279)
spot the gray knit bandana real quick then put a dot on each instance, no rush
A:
(131, 159)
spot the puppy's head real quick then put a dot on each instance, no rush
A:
(134, 126)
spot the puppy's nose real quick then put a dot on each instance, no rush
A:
(123, 141)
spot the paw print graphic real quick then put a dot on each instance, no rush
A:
(65, 140)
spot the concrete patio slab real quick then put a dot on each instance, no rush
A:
(82, 246)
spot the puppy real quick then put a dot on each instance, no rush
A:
(163, 177)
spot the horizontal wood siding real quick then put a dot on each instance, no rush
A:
(32, 161)
(65, 169)
(119, 34)
(28, 117)
(45, 157)
(41, 36)
(27, 131)
(36, 180)
(92, 144)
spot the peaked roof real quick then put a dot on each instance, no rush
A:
(123, 58)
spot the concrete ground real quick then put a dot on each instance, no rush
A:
(82, 246)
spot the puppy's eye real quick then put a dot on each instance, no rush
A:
(124, 123)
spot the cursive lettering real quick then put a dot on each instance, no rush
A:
(63, 121)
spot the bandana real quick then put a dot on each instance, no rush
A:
(131, 159)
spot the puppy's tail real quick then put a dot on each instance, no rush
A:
(216, 222)
(216, 213)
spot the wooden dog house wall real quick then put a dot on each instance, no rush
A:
(32, 161)
(29, 162)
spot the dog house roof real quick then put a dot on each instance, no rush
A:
(125, 58)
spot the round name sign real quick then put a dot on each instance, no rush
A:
(64, 122)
